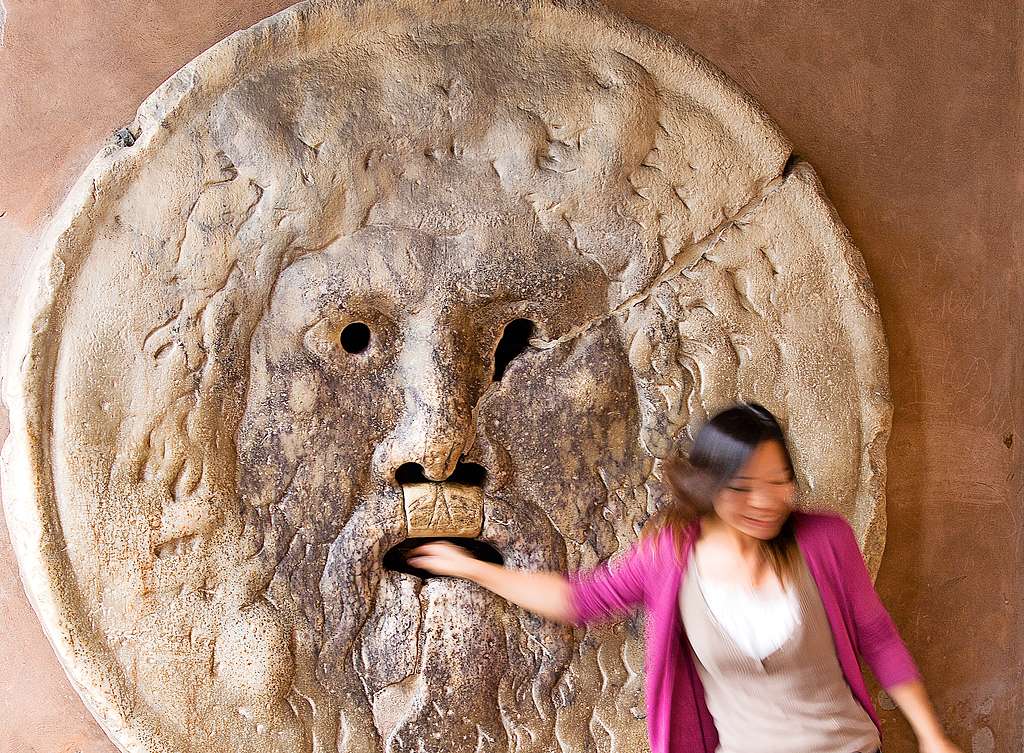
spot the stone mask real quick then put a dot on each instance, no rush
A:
(373, 272)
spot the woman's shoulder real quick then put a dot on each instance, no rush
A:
(670, 544)
(819, 520)
(825, 528)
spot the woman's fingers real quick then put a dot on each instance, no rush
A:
(438, 548)
(440, 558)
(431, 565)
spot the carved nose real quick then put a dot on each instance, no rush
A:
(431, 436)
(436, 424)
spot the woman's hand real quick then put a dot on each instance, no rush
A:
(938, 745)
(913, 702)
(445, 558)
(543, 593)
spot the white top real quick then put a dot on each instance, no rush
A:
(793, 700)
(759, 620)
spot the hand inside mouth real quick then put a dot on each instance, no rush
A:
(395, 557)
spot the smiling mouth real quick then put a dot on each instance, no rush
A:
(761, 521)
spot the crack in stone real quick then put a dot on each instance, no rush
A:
(684, 260)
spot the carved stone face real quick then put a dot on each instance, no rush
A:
(386, 270)
(420, 430)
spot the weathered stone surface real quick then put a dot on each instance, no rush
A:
(452, 510)
(203, 472)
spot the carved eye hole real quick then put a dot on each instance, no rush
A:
(514, 340)
(355, 338)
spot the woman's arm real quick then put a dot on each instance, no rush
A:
(543, 593)
(606, 591)
(879, 642)
(913, 701)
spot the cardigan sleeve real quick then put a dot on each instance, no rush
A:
(613, 588)
(877, 639)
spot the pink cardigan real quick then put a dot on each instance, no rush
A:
(678, 720)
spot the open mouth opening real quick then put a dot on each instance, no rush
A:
(470, 474)
(395, 557)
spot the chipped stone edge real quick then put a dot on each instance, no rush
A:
(870, 355)
(25, 471)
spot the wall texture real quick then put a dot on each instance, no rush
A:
(906, 111)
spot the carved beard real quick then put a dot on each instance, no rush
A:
(412, 665)
(424, 665)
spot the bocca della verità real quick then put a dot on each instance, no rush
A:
(375, 271)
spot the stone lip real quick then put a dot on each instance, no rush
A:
(443, 510)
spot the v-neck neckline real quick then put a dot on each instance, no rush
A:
(693, 570)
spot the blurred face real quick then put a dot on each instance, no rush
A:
(758, 499)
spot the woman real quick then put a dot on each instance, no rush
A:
(773, 607)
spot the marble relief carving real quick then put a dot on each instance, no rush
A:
(376, 271)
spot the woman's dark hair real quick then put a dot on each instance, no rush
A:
(722, 446)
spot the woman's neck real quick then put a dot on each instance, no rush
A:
(747, 547)
(730, 555)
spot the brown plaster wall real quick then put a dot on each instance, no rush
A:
(911, 114)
